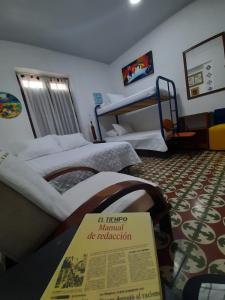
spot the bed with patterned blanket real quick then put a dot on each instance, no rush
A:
(102, 157)
(52, 152)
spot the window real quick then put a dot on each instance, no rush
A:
(49, 104)
(58, 86)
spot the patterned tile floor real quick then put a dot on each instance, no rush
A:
(195, 187)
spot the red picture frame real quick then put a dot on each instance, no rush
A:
(141, 67)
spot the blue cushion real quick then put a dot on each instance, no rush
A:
(219, 116)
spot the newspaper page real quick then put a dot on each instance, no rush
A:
(111, 257)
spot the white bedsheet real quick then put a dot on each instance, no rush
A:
(145, 140)
(102, 157)
(128, 100)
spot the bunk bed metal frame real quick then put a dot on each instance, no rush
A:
(155, 99)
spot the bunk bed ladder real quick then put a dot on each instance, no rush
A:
(172, 109)
(97, 121)
(172, 103)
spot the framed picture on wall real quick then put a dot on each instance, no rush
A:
(138, 69)
(98, 98)
(195, 91)
(10, 106)
(195, 79)
(198, 78)
(191, 81)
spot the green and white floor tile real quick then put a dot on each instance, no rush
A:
(195, 188)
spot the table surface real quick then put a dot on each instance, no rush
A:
(28, 280)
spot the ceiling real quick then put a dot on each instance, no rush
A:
(101, 30)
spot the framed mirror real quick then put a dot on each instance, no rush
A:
(204, 66)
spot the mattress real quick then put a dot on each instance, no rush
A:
(144, 140)
(102, 157)
(128, 100)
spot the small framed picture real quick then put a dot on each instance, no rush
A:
(198, 78)
(98, 98)
(191, 81)
(195, 91)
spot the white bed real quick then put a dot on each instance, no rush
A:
(128, 100)
(102, 157)
(144, 140)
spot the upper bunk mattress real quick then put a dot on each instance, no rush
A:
(128, 100)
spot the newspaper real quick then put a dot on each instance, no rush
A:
(111, 257)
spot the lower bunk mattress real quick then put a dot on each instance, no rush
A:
(143, 140)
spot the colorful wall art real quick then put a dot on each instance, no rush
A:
(10, 106)
(138, 69)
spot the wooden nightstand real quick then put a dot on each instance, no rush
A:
(198, 123)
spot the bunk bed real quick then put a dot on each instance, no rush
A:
(149, 97)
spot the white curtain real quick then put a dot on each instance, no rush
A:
(49, 104)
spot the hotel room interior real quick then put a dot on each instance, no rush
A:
(114, 106)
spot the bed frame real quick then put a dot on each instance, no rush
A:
(155, 99)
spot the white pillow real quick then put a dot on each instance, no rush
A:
(39, 147)
(115, 98)
(111, 133)
(71, 141)
(122, 129)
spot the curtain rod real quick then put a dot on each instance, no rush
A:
(41, 75)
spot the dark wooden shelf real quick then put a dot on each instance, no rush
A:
(198, 123)
(99, 142)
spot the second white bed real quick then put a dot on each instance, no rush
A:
(144, 140)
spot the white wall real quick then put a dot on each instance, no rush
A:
(85, 76)
(195, 23)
